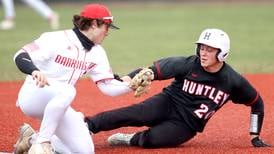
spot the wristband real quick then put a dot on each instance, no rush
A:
(256, 121)
(24, 63)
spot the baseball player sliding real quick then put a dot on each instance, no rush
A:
(202, 84)
(53, 63)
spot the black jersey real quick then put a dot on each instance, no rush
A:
(198, 94)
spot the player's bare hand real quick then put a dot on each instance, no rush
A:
(258, 142)
(41, 79)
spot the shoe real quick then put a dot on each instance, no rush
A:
(120, 139)
(22, 145)
(54, 21)
(7, 24)
(42, 148)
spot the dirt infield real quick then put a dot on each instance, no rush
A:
(226, 132)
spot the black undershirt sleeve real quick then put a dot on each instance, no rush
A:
(244, 93)
(258, 106)
(136, 71)
(24, 63)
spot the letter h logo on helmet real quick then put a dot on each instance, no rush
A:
(207, 35)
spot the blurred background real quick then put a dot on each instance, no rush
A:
(153, 29)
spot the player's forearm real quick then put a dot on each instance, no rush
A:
(256, 117)
(24, 63)
(113, 87)
(256, 123)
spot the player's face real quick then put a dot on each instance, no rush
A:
(99, 33)
(208, 58)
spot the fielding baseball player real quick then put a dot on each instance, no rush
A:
(53, 63)
(202, 84)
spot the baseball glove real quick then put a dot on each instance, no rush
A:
(141, 81)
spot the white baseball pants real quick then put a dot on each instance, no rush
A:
(51, 105)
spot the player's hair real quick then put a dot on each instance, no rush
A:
(83, 23)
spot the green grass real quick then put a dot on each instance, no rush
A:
(151, 31)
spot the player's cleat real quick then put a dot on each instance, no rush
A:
(120, 139)
(22, 145)
(7, 24)
(54, 21)
(42, 148)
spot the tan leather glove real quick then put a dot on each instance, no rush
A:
(141, 81)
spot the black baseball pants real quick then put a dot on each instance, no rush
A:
(166, 128)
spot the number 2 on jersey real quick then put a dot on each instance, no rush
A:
(201, 112)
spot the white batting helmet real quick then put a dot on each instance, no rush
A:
(216, 38)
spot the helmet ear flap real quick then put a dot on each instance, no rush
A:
(218, 55)
(198, 47)
(221, 56)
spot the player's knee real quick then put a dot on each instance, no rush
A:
(80, 115)
(69, 92)
(64, 95)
